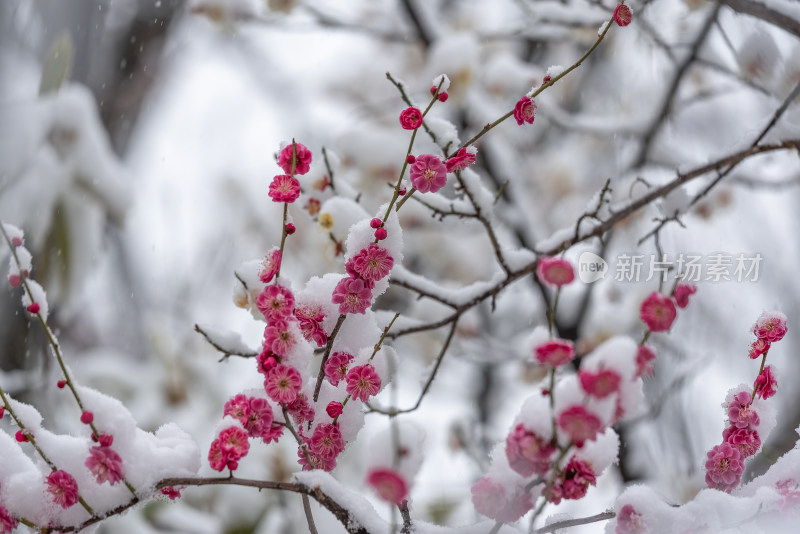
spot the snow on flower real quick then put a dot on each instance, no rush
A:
(629, 521)
(525, 110)
(740, 412)
(770, 326)
(766, 385)
(724, 467)
(579, 424)
(310, 318)
(7, 521)
(645, 356)
(63, 488)
(658, 312)
(555, 352)
(573, 482)
(301, 161)
(555, 271)
(428, 173)
(105, 464)
(284, 188)
(491, 499)
(270, 265)
(282, 384)
(388, 484)
(759, 347)
(527, 452)
(353, 295)
(600, 384)
(411, 118)
(363, 382)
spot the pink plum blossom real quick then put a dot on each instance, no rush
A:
(527, 452)
(629, 521)
(363, 382)
(745, 439)
(7, 521)
(105, 464)
(310, 319)
(555, 352)
(63, 488)
(645, 356)
(326, 441)
(658, 312)
(275, 302)
(428, 173)
(372, 263)
(353, 295)
(724, 467)
(300, 409)
(388, 484)
(279, 337)
(579, 424)
(682, 293)
(284, 188)
(462, 160)
(766, 385)
(740, 412)
(282, 384)
(573, 482)
(302, 160)
(270, 265)
(336, 367)
(491, 499)
(525, 110)
(758, 347)
(600, 384)
(623, 15)
(411, 118)
(770, 326)
(555, 271)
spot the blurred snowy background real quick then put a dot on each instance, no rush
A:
(138, 138)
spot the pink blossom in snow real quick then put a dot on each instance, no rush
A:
(766, 385)
(388, 484)
(682, 293)
(428, 173)
(275, 302)
(7, 521)
(259, 418)
(105, 464)
(579, 424)
(302, 159)
(230, 447)
(310, 320)
(770, 326)
(326, 441)
(336, 367)
(284, 188)
(172, 492)
(271, 265)
(555, 271)
(216, 458)
(334, 409)
(491, 499)
(745, 439)
(573, 482)
(274, 433)
(462, 160)
(371, 263)
(758, 347)
(317, 461)
(411, 118)
(658, 312)
(282, 384)
(527, 452)
(266, 360)
(645, 357)
(741, 413)
(238, 407)
(629, 521)
(279, 337)
(300, 409)
(555, 352)
(600, 384)
(352, 295)
(525, 111)
(623, 15)
(63, 488)
(363, 382)
(724, 467)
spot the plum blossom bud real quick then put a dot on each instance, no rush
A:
(623, 15)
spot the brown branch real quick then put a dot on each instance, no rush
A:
(552, 527)
(765, 13)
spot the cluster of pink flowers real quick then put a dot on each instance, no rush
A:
(310, 318)
(659, 311)
(294, 159)
(322, 448)
(230, 446)
(725, 462)
(255, 415)
(353, 293)
(573, 482)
